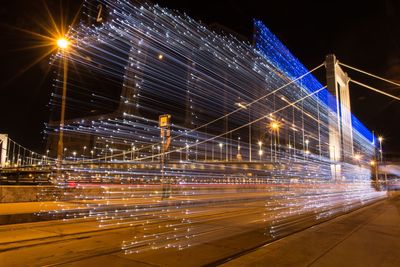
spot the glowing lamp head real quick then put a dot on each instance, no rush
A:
(62, 43)
(357, 156)
(372, 162)
(380, 138)
(274, 125)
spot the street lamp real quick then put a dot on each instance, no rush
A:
(380, 139)
(244, 106)
(187, 152)
(307, 150)
(274, 129)
(274, 126)
(238, 156)
(132, 151)
(260, 152)
(63, 45)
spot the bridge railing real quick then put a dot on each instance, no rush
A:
(15, 155)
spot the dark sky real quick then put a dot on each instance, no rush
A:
(365, 34)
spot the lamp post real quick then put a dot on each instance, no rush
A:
(220, 147)
(238, 156)
(274, 128)
(196, 149)
(380, 139)
(244, 106)
(307, 142)
(62, 44)
(132, 151)
(187, 152)
(260, 152)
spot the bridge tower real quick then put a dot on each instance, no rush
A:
(340, 125)
(3, 149)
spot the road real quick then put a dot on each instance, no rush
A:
(192, 228)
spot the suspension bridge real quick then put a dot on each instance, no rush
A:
(213, 158)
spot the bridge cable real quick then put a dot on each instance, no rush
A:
(374, 89)
(369, 74)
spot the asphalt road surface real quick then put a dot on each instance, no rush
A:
(192, 228)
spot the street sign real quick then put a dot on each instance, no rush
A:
(164, 120)
(164, 123)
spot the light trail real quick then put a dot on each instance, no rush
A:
(142, 61)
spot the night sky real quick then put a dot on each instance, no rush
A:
(364, 34)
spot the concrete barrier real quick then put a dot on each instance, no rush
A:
(12, 194)
(26, 193)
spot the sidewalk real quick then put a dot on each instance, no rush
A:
(367, 237)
